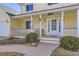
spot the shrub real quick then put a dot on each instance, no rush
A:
(31, 37)
(70, 43)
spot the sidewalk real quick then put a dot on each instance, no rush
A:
(43, 49)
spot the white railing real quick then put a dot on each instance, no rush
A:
(21, 32)
(70, 31)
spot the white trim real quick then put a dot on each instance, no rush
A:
(77, 22)
(58, 25)
(40, 26)
(62, 23)
(47, 25)
(57, 19)
(50, 24)
(54, 32)
(31, 23)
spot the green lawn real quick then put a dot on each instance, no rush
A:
(63, 52)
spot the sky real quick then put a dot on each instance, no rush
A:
(13, 5)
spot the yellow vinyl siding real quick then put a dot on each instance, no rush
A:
(36, 7)
(44, 26)
(16, 24)
(36, 23)
(40, 6)
(70, 24)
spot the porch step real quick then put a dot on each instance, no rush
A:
(50, 40)
(21, 37)
(44, 39)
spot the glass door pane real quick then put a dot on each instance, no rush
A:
(53, 25)
(48, 25)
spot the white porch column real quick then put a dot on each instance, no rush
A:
(77, 22)
(40, 19)
(62, 23)
(31, 23)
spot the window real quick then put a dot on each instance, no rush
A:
(52, 3)
(29, 7)
(28, 24)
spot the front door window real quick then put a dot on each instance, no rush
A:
(48, 25)
(53, 25)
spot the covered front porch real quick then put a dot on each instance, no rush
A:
(55, 23)
(45, 25)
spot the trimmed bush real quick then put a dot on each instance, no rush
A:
(31, 38)
(70, 43)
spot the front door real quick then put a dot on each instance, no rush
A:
(53, 27)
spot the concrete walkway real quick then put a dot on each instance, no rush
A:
(43, 49)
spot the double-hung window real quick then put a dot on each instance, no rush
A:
(29, 7)
(28, 24)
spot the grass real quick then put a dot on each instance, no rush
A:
(63, 52)
(11, 54)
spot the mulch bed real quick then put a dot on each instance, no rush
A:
(12, 41)
(59, 51)
(17, 41)
(11, 54)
